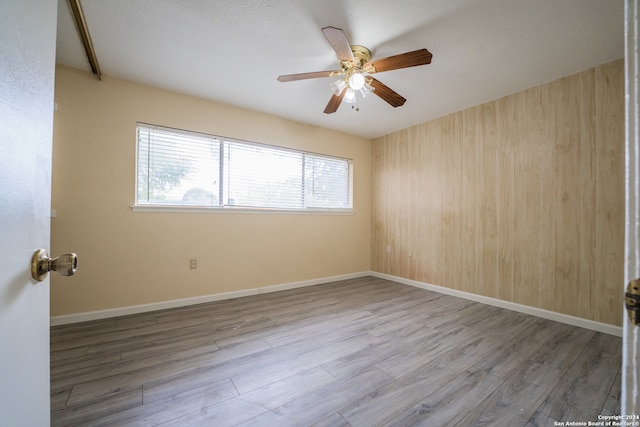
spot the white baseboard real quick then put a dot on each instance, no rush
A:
(135, 309)
(545, 314)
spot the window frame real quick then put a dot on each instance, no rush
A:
(137, 206)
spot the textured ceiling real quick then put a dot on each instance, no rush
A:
(232, 51)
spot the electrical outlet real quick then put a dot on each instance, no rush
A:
(193, 263)
(410, 254)
(388, 249)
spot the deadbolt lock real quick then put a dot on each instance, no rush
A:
(632, 301)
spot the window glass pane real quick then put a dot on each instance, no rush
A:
(327, 182)
(181, 168)
(178, 168)
(264, 177)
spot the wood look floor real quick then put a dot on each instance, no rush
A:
(361, 352)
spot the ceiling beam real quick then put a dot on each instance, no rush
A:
(83, 31)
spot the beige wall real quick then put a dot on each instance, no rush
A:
(520, 199)
(128, 258)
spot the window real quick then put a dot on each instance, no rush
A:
(178, 168)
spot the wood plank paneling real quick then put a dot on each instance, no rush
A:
(567, 194)
(471, 196)
(451, 214)
(587, 218)
(609, 191)
(508, 112)
(520, 199)
(533, 187)
(425, 225)
(487, 246)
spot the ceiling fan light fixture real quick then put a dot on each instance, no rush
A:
(356, 81)
(366, 89)
(338, 86)
(349, 96)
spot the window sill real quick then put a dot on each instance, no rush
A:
(237, 210)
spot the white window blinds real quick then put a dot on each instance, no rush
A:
(262, 177)
(177, 167)
(180, 168)
(327, 182)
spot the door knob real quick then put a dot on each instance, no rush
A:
(632, 301)
(41, 264)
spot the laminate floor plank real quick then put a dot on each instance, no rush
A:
(253, 403)
(407, 323)
(612, 404)
(85, 374)
(389, 401)
(264, 331)
(299, 311)
(171, 407)
(291, 332)
(68, 332)
(352, 363)
(540, 420)
(563, 349)
(515, 401)
(502, 322)
(85, 413)
(71, 365)
(315, 406)
(256, 362)
(59, 398)
(413, 358)
(608, 343)
(61, 356)
(357, 327)
(510, 355)
(357, 352)
(332, 420)
(250, 380)
(247, 331)
(132, 345)
(584, 389)
(104, 338)
(449, 403)
(141, 371)
(190, 339)
(448, 310)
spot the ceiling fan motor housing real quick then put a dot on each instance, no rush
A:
(362, 56)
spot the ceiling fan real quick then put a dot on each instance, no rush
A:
(355, 69)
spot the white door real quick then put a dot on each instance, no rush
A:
(630, 397)
(27, 69)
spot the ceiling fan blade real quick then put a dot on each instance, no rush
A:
(385, 92)
(303, 76)
(339, 43)
(334, 103)
(403, 60)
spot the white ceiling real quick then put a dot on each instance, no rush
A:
(232, 51)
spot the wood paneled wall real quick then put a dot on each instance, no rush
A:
(520, 199)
